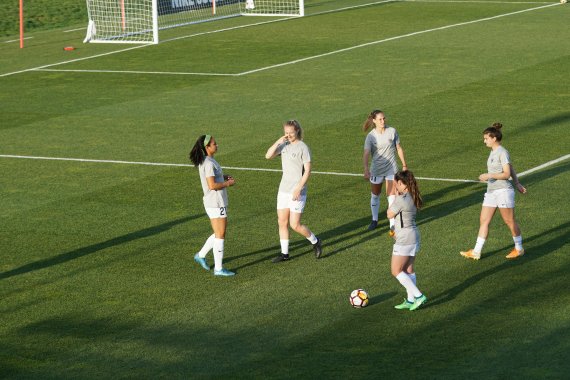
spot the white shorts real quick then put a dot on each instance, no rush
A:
(376, 180)
(406, 250)
(217, 212)
(285, 200)
(503, 198)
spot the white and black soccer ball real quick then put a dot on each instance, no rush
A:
(359, 298)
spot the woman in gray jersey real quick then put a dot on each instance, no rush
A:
(500, 194)
(403, 210)
(214, 184)
(381, 145)
(292, 195)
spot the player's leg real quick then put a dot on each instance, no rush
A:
(283, 221)
(508, 215)
(219, 227)
(295, 223)
(490, 204)
(399, 265)
(375, 189)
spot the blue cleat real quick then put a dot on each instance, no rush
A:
(223, 272)
(201, 261)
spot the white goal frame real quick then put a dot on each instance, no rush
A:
(139, 21)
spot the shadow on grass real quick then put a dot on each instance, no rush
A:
(77, 253)
(533, 252)
(329, 238)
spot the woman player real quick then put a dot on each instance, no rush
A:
(214, 184)
(381, 144)
(292, 194)
(403, 210)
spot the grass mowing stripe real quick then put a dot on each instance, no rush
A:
(44, 68)
(395, 38)
(279, 20)
(542, 166)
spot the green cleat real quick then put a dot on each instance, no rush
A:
(418, 302)
(404, 305)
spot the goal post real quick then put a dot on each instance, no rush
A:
(140, 21)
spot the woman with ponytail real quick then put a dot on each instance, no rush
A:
(500, 194)
(381, 145)
(214, 184)
(407, 244)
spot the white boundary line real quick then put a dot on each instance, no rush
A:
(41, 68)
(546, 164)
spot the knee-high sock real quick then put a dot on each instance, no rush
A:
(410, 295)
(218, 253)
(407, 283)
(374, 205)
(209, 244)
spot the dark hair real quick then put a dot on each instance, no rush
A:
(407, 177)
(198, 153)
(494, 131)
(298, 129)
(368, 123)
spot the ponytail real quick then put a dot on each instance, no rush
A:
(198, 153)
(368, 123)
(407, 177)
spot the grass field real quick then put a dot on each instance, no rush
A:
(97, 278)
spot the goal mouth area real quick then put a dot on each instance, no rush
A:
(129, 21)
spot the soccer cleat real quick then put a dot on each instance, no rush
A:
(373, 225)
(404, 305)
(418, 302)
(471, 254)
(280, 258)
(392, 233)
(515, 253)
(317, 248)
(201, 261)
(223, 272)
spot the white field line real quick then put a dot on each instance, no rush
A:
(74, 30)
(138, 72)
(549, 163)
(25, 38)
(39, 68)
(395, 38)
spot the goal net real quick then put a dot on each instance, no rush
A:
(139, 21)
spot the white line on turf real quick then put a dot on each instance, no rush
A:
(138, 72)
(40, 68)
(25, 38)
(393, 39)
(549, 163)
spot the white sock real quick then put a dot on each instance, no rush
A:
(410, 295)
(518, 242)
(407, 283)
(209, 244)
(391, 199)
(313, 239)
(479, 245)
(374, 205)
(284, 246)
(218, 253)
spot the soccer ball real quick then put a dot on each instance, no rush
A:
(562, 1)
(359, 298)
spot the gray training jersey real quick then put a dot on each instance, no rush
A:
(212, 198)
(293, 157)
(382, 147)
(497, 159)
(406, 211)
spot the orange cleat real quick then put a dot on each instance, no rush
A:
(471, 255)
(515, 253)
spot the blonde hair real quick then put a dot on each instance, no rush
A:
(298, 129)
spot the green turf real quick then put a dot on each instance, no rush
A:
(96, 271)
